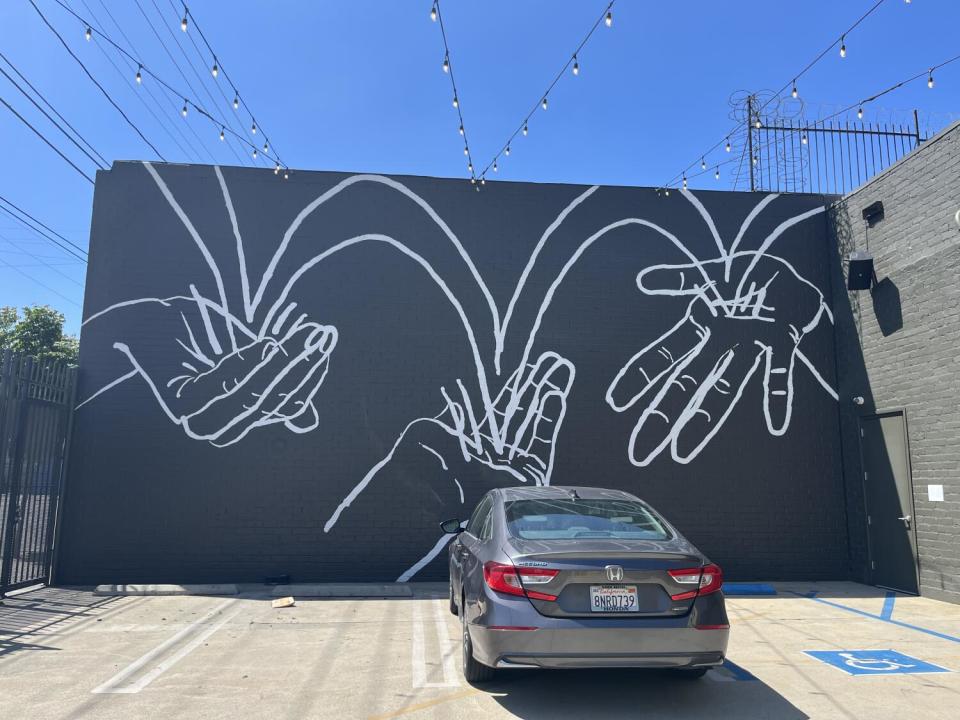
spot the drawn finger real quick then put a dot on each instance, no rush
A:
(647, 370)
(656, 424)
(540, 445)
(713, 401)
(778, 386)
(555, 383)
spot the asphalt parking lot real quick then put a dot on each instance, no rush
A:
(811, 650)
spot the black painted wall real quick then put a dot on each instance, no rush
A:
(337, 434)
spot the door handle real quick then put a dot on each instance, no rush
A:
(905, 519)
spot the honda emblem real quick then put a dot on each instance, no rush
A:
(614, 573)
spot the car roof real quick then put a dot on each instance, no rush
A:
(563, 491)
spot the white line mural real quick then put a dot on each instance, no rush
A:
(264, 363)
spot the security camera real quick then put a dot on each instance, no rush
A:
(858, 400)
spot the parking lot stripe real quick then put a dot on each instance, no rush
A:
(447, 646)
(881, 618)
(116, 683)
(418, 648)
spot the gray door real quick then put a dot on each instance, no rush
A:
(889, 501)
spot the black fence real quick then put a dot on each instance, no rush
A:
(36, 401)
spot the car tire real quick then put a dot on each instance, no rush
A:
(473, 670)
(692, 673)
(453, 603)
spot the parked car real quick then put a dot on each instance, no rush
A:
(576, 577)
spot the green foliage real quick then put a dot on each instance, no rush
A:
(39, 332)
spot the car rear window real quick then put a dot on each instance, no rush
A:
(559, 518)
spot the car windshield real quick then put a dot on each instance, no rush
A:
(559, 518)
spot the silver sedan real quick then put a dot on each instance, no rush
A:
(576, 577)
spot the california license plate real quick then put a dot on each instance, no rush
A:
(613, 598)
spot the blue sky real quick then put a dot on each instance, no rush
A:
(357, 85)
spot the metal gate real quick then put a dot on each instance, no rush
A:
(36, 401)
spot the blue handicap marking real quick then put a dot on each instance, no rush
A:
(874, 662)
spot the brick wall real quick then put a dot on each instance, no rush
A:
(916, 249)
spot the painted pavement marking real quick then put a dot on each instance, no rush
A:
(445, 645)
(874, 662)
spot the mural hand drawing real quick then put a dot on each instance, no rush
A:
(264, 363)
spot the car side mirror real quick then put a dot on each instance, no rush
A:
(451, 526)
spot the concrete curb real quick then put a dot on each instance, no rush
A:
(344, 590)
(154, 589)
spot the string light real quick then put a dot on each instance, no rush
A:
(703, 163)
(88, 34)
(456, 102)
(930, 79)
(860, 113)
(253, 129)
(684, 182)
(183, 110)
(609, 19)
(470, 167)
(754, 159)
(433, 12)
(495, 168)
(543, 103)
(525, 130)
(222, 136)
(507, 151)
(446, 64)
(483, 181)
(183, 23)
(254, 153)
(139, 77)
(794, 93)
(286, 175)
(727, 148)
(215, 70)
(576, 66)
(236, 100)
(266, 147)
(757, 123)
(716, 174)
(276, 170)
(843, 46)
(803, 139)
(465, 150)
(461, 129)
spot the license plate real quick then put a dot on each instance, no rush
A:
(613, 598)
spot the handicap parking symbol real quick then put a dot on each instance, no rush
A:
(874, 662)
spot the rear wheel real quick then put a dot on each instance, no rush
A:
(473, 670)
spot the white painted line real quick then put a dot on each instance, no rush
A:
(446, 645)
(116, 684)
(418, 660)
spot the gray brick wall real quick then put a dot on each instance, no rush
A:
(917, 368)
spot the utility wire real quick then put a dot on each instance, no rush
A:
(176, 93)
(42, 261)
(797, 76)
(46, 140)
(38, 282)
(605, 15)
(448, 66)
(253, 120)
(52, 121)
(94, 80)
(54, 237)
(52, 108)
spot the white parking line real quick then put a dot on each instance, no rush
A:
(118, 683)
(445, 645)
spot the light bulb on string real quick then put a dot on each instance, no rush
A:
(470, 167)
(524, 129)
(495, 168)
(930, 79)
(139, 77)
(667, 192)
(703, 163)
(286, 175)
(253, 129)
(716, 174)
(543, 103)
(483, 181)
(803, 139)
(446, 64)
(183, 110)
(754, 159)
(465, 151)
(215, 70)
(236, 101)
(276, 170)
(254, 153)
(461, 129)
(507, 151)
(609, 19)
(727, 147)
(576, 66)
(794, 92)
(89, 33)
(843, 47)
(183, 23)
(222, 136)
(266, 147)
(757, 123)
(860, 113)
(684, 182)
(433, 12)
(456, 102)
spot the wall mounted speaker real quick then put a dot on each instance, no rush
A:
(860, 271)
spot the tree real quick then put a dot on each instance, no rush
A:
(39, 333)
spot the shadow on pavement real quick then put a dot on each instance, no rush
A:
(625, 693)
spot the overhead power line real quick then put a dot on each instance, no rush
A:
(573, 64)
(42, 229)
(437, 16)
(42, 284)
(791, 84)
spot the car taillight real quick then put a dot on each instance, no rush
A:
(512, 580)
(708, 579)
